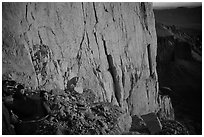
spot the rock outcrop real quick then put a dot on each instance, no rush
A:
(110, 47)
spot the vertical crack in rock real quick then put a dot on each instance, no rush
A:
(113, 72)
(41, 42)
(29, 28)
(123, 75)
(80, 50)
(95, 14)
(82, 6)
(149, 59)
(112, 11)
(144, 15)
(95, 37)
(82, 40)
(88, 41)
(147, 89)
(104, 7)
(32, 16)
(132, 85)
(26, 14)
(101, 84)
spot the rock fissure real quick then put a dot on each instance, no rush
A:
(32, 16)
(95, 14)
(29, 27)
(149, 59)
(26, 13)
(144, 15)
(80, 48)
(113, 72)
(41, 41)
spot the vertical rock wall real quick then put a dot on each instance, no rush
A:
(111, 47)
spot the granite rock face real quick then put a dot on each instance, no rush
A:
(111, 47)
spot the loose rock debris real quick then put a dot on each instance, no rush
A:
(67, 112)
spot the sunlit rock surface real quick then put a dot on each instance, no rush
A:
(111, 47)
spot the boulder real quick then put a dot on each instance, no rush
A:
(124, 122)
(153, 123)
(138, 125)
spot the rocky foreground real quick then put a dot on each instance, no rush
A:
(73, 113)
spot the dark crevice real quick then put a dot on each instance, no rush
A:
(147, 90)
(32, 16)
(95, 38)
(123, 79)
(132, 84)
(88, 41)
(113, 72)
(98, 68)
(105, 9)
(82, 40)
(26, 14)
(123, 75)
(82, 5)
(143, 15)
(48, 28)
(112, 11)
(87, 38)
(104, 44)
(35, 6)
(100, 83)
(149, 59)
(41, 42)
(94, 8)
(52, 32)
(80, 46)
(29, 27)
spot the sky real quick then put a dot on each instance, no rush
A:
(164, 5)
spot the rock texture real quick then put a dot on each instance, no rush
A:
(111, 47)
(166, 111)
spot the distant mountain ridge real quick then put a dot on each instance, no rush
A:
(188, 18)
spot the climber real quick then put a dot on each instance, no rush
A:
(71, 84)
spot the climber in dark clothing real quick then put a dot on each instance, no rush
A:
(71, 84)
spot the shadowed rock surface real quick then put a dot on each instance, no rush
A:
(179, 67)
